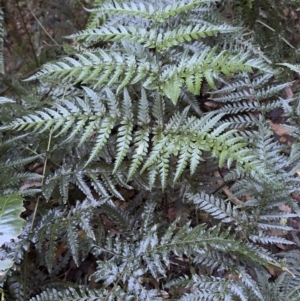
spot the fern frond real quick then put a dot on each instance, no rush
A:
(20, 162)
(177, 8)
(89, 65)
(292, 67)
(270, 240)
(216, 207)
(187, 34)
(72, 238)
(124, 131)
(70, 294)
(211, 288)
(141, 143)
(119, 217)
(208, 67)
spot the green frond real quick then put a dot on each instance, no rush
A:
(4, 100)
(197, 134)
(141, 140)
(51, 233)
(184, 156)
(163, 169)
(295, 68)
(148, 38)
(157, 150)
(213, 260)
(131, 8)
(189, 33)
(98, 68)
(95, 18)
(270, 240)
(82, 185)
(209, 66)
(70, 294)
(215, 207)
(152, 175)
(110, 184)
(119, 217)
(62, 178)
(105, 33)
(148, 220)
(72, 238)
(124, 131)
(81, 214)
(102, 136)
(20, 162)
(177, 8)
(141, 143)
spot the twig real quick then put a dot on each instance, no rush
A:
(46, 32)
(272, 29)
(226, 190)
(27, 33)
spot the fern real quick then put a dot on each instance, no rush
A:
(147, 161)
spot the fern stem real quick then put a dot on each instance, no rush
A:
(115, 284)
(43, 178)
(35, 211)
(284, 269)
(112, 253)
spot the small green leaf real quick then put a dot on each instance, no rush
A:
(5, 264)
(11, 224)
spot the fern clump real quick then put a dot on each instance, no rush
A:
(119, 139)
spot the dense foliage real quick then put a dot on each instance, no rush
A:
(148, 158)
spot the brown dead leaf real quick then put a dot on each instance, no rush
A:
(272, 271)
(279, 129)
(285, 208)
(283, 247)
(283, 139)
(295, 196)
(149, 280)
(226, 190)
(277, 232)
(120, 204)
(211, 104)
(164, 295)
(288, 92)
(61, 248)
(31, 184)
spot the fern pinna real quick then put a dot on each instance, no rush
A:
(121, 112)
